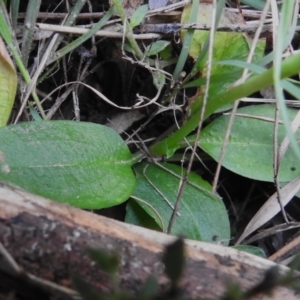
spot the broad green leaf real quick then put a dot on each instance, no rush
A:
(8, 84)
(250, 148)
(201, 216)
(227, 46)
(82, 164)
(213, 79)
(136, 215)
(138, 16)
(251, 249)
(157, 47)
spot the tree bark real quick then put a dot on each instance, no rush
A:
(49, 240)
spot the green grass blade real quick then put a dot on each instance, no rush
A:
(4, 27)
(28, 33)
(254, 68)
(201, 58)
(76, 43)
(75, 10)
(14, 9)
(187, 41)
(5, 33)
(285, 26)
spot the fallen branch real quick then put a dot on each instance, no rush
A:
(49, 240)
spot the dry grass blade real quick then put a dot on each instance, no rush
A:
(100, 33)
(271, 207)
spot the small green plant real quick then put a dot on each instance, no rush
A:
(90, 166)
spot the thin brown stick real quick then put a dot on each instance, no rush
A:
(168, 28)
(184, 181)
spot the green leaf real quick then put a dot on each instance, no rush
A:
(227, 46)
(138, 16)
(166, 53)
(159, 79)
(250, 148)
(8, 84)
(82, 164)
(136, 215)
(192, 18)
(201, 214)
(213, 79)
(34, 113)
(157, 47)
(251, 249)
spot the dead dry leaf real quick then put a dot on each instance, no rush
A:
(271, 207)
